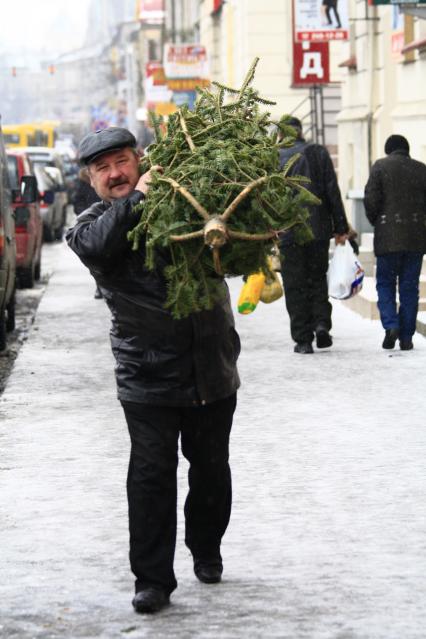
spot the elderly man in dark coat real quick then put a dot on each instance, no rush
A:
(395, 203)
(175, 378)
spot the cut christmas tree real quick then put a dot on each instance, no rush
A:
(222, 201)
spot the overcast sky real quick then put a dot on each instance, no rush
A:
(51, 25)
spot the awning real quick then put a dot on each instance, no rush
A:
(412, 46)
(350, 63)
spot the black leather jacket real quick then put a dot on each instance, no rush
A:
(159, 360)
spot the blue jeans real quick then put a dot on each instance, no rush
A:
(402, 267)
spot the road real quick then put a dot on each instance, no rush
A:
(327, 536)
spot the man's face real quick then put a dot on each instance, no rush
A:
(114, 174)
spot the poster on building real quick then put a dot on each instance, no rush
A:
(150, 12)
(320, 20)
(311, 63)
(185, 61)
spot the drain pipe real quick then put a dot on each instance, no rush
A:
(370, 22)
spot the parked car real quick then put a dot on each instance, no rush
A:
(28, 222)
(26, 194)
(51, 161)
(71, 170)
(51, 205)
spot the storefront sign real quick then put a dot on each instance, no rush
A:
(317, 21)
(311, 63)
(187, 84)
(185, 61)
(156, 89)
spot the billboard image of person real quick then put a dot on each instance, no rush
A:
(330, 6)
(321, 20)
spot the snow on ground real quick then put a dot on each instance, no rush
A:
(327, 537)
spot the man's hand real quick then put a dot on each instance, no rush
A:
(341, 239)
(145, 179)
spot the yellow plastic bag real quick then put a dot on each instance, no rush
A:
(272, 289)
(250, 293)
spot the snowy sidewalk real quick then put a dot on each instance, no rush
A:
(328, 533)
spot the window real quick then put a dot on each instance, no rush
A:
(11, 138)
(12, 166)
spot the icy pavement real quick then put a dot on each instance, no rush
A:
(328, 533)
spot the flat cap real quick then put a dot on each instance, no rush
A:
(99, 142)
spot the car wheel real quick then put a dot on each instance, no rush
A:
(48, 235)
(59, 233)
(37, 270)
(2, 330)
(26, 277)
(10, 322)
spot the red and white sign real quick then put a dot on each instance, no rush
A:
(150, 11)
(156, 89)
(186, 61)
(311, 63)
(320, 20)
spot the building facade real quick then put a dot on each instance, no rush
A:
(383, 92)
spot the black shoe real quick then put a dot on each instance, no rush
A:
(208, 571)
(406, 344)
(324, 339)
(390, 338)
(303, 347)
(150, 599)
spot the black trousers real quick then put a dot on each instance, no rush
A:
(304, 275)
(152, 491)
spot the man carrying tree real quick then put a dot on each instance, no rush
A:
(174, 377)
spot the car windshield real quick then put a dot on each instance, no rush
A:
(12, 165)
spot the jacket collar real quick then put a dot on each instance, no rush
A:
(400, 152)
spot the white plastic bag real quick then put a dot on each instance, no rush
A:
(345, 273)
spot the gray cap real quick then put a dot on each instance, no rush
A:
(99, 142)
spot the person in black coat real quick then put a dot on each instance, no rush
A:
(304, 269)
(174, 377)
(84, 195)
(395, 204)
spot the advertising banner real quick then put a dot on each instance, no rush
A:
(321, 20)
(185, 61)
(157, 93)
(311, 63)
(150, 11)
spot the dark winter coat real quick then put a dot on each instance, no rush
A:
(329, 217)
(159, 360)
(395, 204)
(84, 196)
